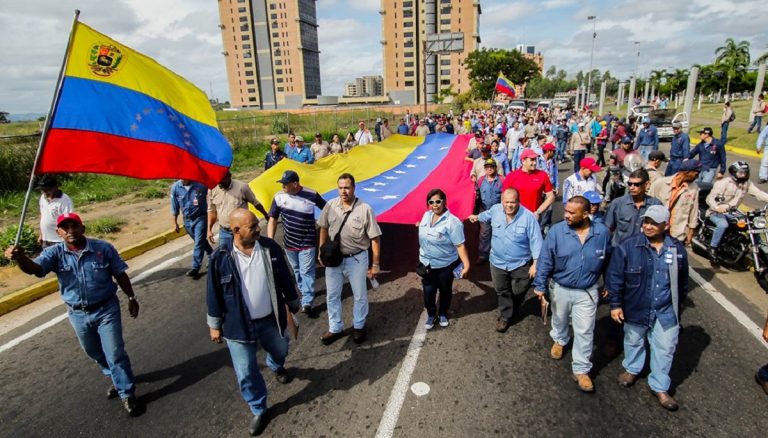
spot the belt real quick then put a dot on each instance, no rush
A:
(352, 255)
(92, 307)
(225, 229)
(271, 315)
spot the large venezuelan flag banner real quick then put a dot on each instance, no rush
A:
(393, 176)
(122, 113)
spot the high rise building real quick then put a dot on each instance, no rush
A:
(530, 53)
(271, 52)
(365, 86)
(405, 26)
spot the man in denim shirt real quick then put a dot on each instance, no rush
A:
(573, 256)
(85, 268)
(646, 280)
(190, 198)
(623, 214)
(489, 194)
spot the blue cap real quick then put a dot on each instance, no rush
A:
(593, 197)
(626, 139)
(690, 165)
(289, 176)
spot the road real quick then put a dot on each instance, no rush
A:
(480, 383)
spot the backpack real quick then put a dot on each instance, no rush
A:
(733, 116)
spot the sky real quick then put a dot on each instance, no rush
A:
(183, 35)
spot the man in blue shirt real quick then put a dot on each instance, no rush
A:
(488, 194)
(301, 153)
(624, 213)
(274, 155)
(573, 257)
(85, 269)
(189, 198)
(515, 246)
(402, 128)
(679, 149)
(647, 139)
(295, 206)
(711, 155)
(646, 280)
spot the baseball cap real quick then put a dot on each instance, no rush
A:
(593, 197)
(677, 125)
(490, 162)
(657, 155)
(548, 147)
(299, 138)
(47, 182)
(706, 130)
(657, 213)
(289, 176)
(68, 217)
(626, 139)
(590, 164)
(478, 134)
(690, 165)
(528, 153)
(275, 141)
(317, 134)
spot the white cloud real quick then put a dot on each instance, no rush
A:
(504, 13)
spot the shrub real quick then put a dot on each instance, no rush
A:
(28, 241)
(105, 225)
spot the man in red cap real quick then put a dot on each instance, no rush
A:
(582, 181)
(550, 166)
(85, 269)
(534, 186)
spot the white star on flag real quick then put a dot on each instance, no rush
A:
(368, 189)
(410, 166)
(389, 197)
(379, 184)
(390, 177)
(421, 157)
(444, 148)
(399, 171)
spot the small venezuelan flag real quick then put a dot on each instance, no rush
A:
(120, 112)
(504, 85)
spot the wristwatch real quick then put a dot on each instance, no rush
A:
(132, 298)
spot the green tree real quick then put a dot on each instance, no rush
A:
(762, 59)
(4, 117)
(656, 76)
(734, 57)
(484, 66)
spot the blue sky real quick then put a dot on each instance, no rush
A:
(183, 35)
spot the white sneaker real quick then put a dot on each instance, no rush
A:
(443, 321)
(430, 323)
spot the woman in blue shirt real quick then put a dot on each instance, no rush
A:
(441, 252)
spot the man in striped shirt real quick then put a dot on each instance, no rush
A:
(296, 207)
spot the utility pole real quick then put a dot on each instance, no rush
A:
(593, 19)
(630, 96)
(690, 91)
(602, 97)
(758, 90)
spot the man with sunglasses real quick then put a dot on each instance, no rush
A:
(624, 213)
(712, 156)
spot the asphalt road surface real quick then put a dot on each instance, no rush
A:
(479, 382)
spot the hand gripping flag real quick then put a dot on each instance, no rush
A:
(505, 86)
(120, 112)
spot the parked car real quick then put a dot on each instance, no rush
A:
(517, 104)
(543, 105)
(663, 120)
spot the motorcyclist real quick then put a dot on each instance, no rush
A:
(726, 194)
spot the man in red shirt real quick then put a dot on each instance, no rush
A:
(534, 186)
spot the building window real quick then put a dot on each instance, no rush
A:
(278, 62)
(241, 9)
(280, 89)
(249, 82)
(251, 90)
(445, 62)
(408, 13)
(248, 64)
(273, 16)
(275, 34)
(408, 54)
(445, 72)
(245, 37)
(243, 19)
(408, 4)
(274, 25)
(244, 27)
(408, 64)
(246, 55)
(273, 6)
(408, 74)
(279, 80)
(408, 35)
(407, 44)
(246, 47)
(445, 10)
(276, 44)
(409, 83)
(249, 73)
(279, 71)
(406, 24)
(445, 21)
(251, 99)
(445, 82)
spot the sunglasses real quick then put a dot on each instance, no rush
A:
(435, 201)
(635, 184)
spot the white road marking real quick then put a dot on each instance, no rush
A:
(397, 397)
(753, 329)
(39, 329)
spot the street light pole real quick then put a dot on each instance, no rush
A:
(637, 61)
(593, 19)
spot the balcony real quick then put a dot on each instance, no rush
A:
(382, 11)
(225, 53)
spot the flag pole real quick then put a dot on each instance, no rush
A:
(46, 128)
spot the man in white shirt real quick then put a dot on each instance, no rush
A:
(363, 135)
(53, 203)
(320, 148)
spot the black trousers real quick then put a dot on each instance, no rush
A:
(438, 280)
(511, 287)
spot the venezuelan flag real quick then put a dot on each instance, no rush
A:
(393, 176)
(505, 86)
(120, 112)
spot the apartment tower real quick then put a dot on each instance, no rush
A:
(405, 25)
(271, 52)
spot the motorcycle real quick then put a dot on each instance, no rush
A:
(744, 245)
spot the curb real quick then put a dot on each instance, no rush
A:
(742, 151)
(39, 290)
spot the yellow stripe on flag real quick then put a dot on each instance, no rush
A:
(363, 162)
(125, 67)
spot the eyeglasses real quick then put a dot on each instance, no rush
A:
(435, 201)
(635, 184)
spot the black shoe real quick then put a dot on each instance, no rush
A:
(130, 406)
(309, 311)
(194, 273)
(358, 335)
(713, 255)
(257, 425)
(329, 337)
(282, 376)
(112, 392)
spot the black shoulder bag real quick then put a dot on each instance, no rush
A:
(330, 251)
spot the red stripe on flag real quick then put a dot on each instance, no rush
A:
(451, 176)
(74, 151)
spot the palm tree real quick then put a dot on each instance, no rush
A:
(762, 59)
(734, 57)
(656, 76)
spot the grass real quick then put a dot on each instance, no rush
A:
(106, 225)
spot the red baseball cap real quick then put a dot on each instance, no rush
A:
(528, 153)
(548, 147)
(68, 217)
(590, 164)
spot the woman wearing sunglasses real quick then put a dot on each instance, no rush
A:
(441, 252)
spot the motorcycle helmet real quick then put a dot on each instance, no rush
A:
(739, 171)
(633, 161)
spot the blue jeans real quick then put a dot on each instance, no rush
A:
(581, 306)
(303, 265)
(724, 132)
(756, 124)
(225, 236)
(484, 241)
(197, 229)
(673, 166)
(645, 150)
(100, 333)
(577, 157)
(249, 378)
(721, 225)
(707, 176)
(355, 269)
(662, 342)
(560, 152)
